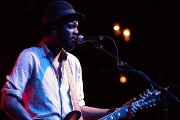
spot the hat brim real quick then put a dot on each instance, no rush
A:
(70, 17)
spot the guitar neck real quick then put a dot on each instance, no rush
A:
(146, 99)
(116, 114)
(122, 112)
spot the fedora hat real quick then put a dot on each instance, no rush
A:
(60, 10)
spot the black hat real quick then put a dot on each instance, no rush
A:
(58, 10)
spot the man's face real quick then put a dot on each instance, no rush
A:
(67, 34)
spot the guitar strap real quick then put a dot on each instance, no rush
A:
(73, 94)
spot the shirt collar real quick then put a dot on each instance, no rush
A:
(46, 52)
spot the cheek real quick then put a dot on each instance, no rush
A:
(62, 37)
(64, 33)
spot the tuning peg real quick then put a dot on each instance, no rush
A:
(147, 91)
(154, 105)
(144, 94)
(141, 97)
(166, 88)
(153, 101)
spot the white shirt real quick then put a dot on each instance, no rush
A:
(34, 80)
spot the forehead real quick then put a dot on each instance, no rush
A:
(73, 22)
(66, 22)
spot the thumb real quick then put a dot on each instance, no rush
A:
(129, 102)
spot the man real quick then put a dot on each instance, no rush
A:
(40, 75)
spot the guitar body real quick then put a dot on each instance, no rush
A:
(74, 115)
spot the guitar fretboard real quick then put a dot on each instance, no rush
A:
(116, 115)
(144, 101)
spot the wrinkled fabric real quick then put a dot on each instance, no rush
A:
(33, 79)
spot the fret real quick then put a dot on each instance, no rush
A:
(116, 115)
(144, 101)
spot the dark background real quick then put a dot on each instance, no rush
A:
(153, 48)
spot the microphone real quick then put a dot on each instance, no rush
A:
(81, 39)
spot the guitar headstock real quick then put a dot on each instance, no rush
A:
(149, 98)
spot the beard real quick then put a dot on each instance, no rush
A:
(67, 42)
(70, 45)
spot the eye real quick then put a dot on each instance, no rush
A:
(72, 25)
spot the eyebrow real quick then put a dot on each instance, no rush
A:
(75, 22)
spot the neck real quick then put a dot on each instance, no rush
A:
(53, 46)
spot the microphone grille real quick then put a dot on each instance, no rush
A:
(80, 39)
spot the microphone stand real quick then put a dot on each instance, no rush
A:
(141, 74)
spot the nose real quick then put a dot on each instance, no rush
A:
(76, 30)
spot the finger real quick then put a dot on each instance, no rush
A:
(137, 107)
(131, 114)
(130, 101)
(133, 110)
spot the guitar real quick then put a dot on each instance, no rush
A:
(73, 115)
(150, 98)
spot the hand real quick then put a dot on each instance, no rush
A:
(132, 109)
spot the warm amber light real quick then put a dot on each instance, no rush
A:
(122, 79)
(126, 34)
(117, 29)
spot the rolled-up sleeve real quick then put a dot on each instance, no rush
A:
(19, 76)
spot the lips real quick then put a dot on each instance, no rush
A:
(74, 38)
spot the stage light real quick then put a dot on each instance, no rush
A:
(117, 29)
(126, 34)
(122, 78)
